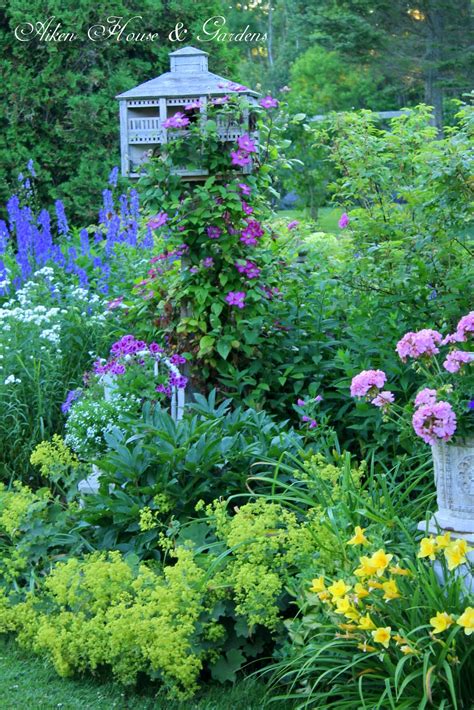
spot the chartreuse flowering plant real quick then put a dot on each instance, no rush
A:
(385, 631)
(444, 407)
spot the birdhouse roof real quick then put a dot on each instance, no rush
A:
(189, 76)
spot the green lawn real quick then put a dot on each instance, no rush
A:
(28, 682)
(327, 220)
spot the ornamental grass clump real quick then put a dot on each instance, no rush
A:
(445, 405)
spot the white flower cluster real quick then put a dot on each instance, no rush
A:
(12, 380)
(89, 421)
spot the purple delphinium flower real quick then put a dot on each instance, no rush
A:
(31, 168)
(236, 298)
(63, 227)
(214, 232)
(84, 242)
(113, 177)
(158, 220)
(470, 404)
(71, 397)
(343, 221)
(268, 102)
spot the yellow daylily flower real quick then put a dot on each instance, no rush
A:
(317, 585)
(360, 591)
(399, 639)
(427, 548)
(395, 569)
(366, 623)
(338, 589)
(441, 622)
(443, 541)
(344, 606)
(382, 635)
(390, 590)
(406, 649)
(455, 553)
(365, 647)
(347, 627)
(366, 569)
(359, 537)
(374, 584)
(324, 596)
(380, 561)
(467, 620)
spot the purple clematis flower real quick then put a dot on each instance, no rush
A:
(236, 298)
(269, 102)
(158, 220)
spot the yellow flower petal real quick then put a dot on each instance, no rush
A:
(427, 548)
(382, 635)
(441, 622)
(467, 620)
(359, 537)
(317, 585)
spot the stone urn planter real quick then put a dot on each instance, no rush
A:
(454, 479)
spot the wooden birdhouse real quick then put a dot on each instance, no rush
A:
(146, 109)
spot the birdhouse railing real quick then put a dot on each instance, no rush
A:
(145, 130)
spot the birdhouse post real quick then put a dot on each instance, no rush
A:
(146, 109)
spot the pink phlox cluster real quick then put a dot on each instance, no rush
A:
(367, 382)
(456, 359)
(434, 422)
(414, 345)
(383, 399)
(425, 396)
(464, 328)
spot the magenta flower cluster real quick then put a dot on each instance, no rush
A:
(236, 298)
(242, 156)
(249, 269)
(129, 351)
(252, 232)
